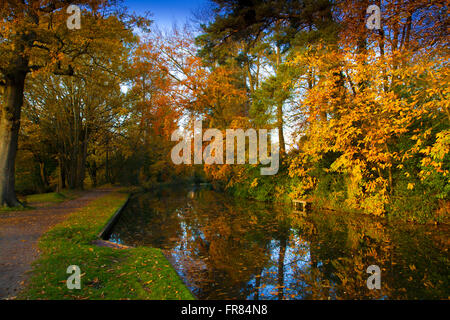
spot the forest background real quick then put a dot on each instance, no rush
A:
(362, 115)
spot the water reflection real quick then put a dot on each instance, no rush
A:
(226, 248)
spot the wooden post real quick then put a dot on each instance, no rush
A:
(303, 203)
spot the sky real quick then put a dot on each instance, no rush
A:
(165, 13)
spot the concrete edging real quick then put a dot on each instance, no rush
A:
(105, 243)
(169, 260)
(107, 228)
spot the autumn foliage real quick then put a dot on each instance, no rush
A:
(362, 115)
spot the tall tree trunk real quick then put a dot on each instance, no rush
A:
(280, 128)
(43, 175)
(92, 169)
(72, 170)
(62, 175)
(9, 134)
(107, 175)
(280, 121)
(82, 162)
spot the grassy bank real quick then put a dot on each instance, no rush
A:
(52, 197)
(138, 273)
(42, 200)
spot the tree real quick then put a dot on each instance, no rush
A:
(265, 30)
(35, 38)
(72, 115)
(380, 92)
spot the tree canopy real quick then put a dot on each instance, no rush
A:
(361, 115)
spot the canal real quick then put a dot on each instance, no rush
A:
(227, 248)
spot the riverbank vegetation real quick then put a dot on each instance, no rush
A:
(361, 115)
(107, 273)
(233, 248)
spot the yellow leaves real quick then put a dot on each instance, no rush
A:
(410, 186)
(426, 150)
(254, 183)
(363, 127)
(442, 146)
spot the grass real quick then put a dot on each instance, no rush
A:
(43, 199)
(53, 197)
(137, 273)
(10, 209)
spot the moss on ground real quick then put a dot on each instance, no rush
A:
(52, 197)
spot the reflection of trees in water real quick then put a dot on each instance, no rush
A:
(228, 248)
(149, 222)
(232, 247)
(343, 246)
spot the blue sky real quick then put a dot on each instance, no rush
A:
(165, 13)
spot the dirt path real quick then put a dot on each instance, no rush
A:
(19, 234)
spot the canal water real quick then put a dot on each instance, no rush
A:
(227, 248)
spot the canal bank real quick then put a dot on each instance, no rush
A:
(106, 273)
(229, 248)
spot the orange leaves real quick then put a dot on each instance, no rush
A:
(153, 90)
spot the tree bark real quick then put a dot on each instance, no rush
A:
(280, 123)
(44, 179)
(82, 164)
(107, 173)
(9, 134)
(62, 175)
(92, 169)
